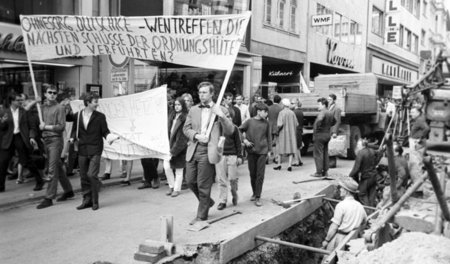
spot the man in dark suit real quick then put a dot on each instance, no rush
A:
(201, 154)
(52, 127)
(336, 112)
(321, 137)
(17, 134)
(274, 111)
(88, 131)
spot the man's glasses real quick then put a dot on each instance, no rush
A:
(51, 92)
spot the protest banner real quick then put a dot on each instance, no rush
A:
(140, 120)
(213, 41)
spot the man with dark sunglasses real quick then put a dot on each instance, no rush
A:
(53, 125)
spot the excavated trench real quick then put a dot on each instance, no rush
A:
(310, 231)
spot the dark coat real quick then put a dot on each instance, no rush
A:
(90, 139)
(26, 127)
(322, 126)
(177, 141)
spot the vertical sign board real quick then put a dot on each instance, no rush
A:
(392, 21)
(397, 92)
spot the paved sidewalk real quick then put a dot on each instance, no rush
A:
(20, 194)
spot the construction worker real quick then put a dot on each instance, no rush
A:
(349, 214)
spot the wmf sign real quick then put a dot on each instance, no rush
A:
(392, 23)
(322, 20)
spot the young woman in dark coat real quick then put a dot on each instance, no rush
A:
(178, 145)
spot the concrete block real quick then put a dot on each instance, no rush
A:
(142, 256)
(152, 246)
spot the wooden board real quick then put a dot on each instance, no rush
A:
(271, 227)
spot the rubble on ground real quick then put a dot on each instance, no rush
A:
(409, 248)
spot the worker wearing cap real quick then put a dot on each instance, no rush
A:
(349, 214)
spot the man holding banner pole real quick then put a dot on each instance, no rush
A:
(202, 152)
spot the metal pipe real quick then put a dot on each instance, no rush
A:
(337, 201)
(391, 167)
(437, 187)
(289, 244)
(379, 224)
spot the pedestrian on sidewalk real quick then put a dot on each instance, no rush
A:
(17, 134)
(286, 127)
(202, 153)
(257, 139)
(52, 126)
(226, 169)
(274, 111)
(88, 131)
(336, 112)
(178, 145)
(321, 137)
(296, 108)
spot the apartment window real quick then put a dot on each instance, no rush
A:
(436, 23)
(353, 32)
(400, 36)
(267, 11)
(359, 34)
(292, 15)
(408, 39)
(322, 10)
(409, 5)
(424, 8)
(337, 25)
(281, 6)
(417, 6)
(344, 29)
(422, 38)
(416, 44)
(377, 21)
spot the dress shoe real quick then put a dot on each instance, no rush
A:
(175, 194)
(195, 220)
(221, 206)
(65, 196)
(45, 203)
(38, 186)
(277, 168)
(258, 202)
(145, 186)
(84, 205)
(289, 168)
(125, 183)
(211, 203)
(95, 207)
(169, 192)
(253, 198)
(317, 175)
(298, 164)
(105, 177)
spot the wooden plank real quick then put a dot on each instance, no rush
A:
(271, 227)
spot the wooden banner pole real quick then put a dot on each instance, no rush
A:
(36, 95)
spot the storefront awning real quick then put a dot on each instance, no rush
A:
(390, 81)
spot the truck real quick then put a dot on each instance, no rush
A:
(357, 96)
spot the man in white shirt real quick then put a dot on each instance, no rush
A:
(349, 214)
(242, 107)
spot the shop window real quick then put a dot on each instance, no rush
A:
(422, 37)
(11, 9)
(337, 25)
(293, 10)
(205, 7)
(268, 11)
(377, 21)
(281, 6)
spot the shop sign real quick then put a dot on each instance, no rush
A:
(335, 59)
(11, 42)
(392, 21)
(280, 73)
(393, 70)
(322, 20)
(119, 75)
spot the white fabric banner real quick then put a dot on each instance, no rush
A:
(199, 41)
(141, 122)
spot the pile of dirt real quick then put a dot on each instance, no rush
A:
(409, 248)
